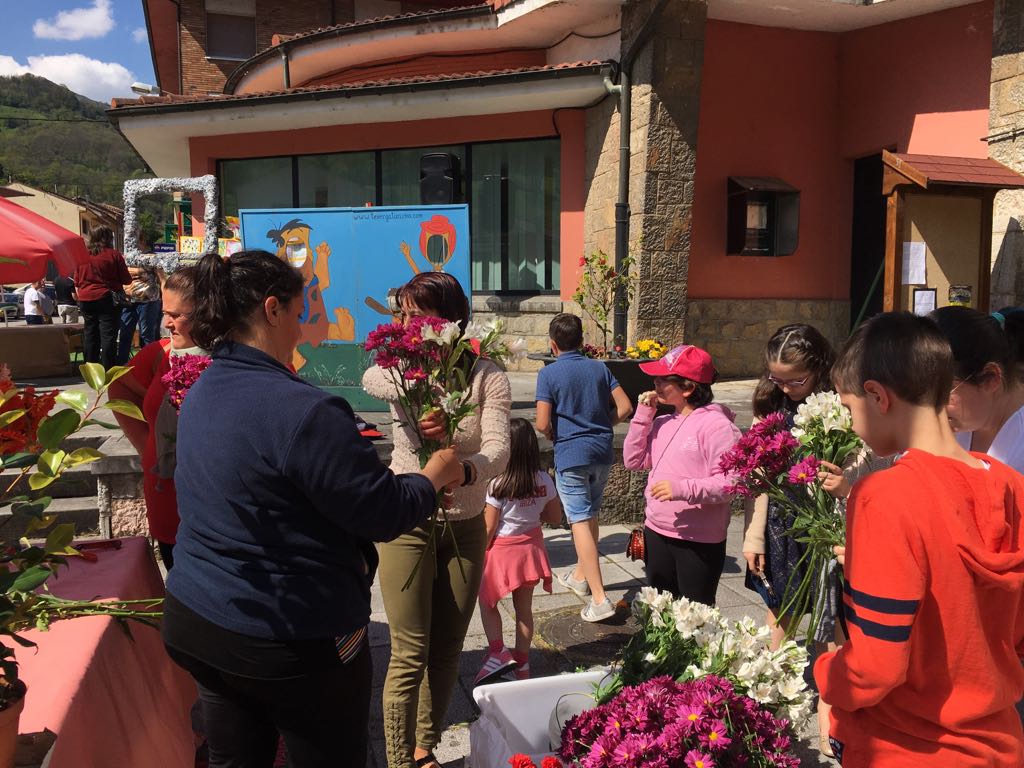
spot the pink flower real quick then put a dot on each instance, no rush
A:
(415, 374)
(804, 472)
(185, 371)
(697, 759)
(715, 735)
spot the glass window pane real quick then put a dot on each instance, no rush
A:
(516, 204)
(400, 174)
(262, 183)
(337, 181)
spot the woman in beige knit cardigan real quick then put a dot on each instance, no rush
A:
(428, 621)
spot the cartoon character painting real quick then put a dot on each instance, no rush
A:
(294, 246)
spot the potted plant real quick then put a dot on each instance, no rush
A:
(31, 435)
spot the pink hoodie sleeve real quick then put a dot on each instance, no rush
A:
(636, 450)
(711, 489)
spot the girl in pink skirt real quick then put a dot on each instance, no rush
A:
(518, 501)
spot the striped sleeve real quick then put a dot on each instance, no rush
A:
(886, 572)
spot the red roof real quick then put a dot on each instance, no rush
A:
(174, 99)
(965, 171)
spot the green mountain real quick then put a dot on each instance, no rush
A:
(56, 140)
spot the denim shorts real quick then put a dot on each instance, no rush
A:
(581, 489)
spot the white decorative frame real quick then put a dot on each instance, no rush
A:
(168, 262)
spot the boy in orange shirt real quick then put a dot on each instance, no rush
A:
(934, 569)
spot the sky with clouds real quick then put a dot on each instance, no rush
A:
(97, 48)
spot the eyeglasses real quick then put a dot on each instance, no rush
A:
(791, 383)
(962, 382)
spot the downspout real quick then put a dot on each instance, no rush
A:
(625, 92)
(286, 69)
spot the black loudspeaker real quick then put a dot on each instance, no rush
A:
(440, 179)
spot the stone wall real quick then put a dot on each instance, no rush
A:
(1006, 144)
(734, 331)
(666, 106)
(527, 318)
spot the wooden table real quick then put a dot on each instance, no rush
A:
(112, 700)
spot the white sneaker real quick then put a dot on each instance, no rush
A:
(495, 665)
(580, 588)
(598, 611)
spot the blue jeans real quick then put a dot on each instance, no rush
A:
(145, 315)
(581, 489)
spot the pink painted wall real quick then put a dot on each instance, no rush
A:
(919, 85)
(205, 151)
(802, 106)
(769, 107)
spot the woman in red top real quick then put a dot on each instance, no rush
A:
(96, 282)
(154, 438)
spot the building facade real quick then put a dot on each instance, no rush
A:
(771, 172)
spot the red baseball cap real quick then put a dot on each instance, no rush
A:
(688, 361)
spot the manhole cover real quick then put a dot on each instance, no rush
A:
(581, 642)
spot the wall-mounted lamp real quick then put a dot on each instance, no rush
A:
(763, 217)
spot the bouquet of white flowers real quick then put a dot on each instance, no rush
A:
(688, 641)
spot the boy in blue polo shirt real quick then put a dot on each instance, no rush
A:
(574, 397)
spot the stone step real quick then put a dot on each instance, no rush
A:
(82, 511)
(76, 482)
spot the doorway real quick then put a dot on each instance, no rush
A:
(867, 244)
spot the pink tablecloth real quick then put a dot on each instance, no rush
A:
(112, 700)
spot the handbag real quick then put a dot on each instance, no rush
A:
(635, 545)
(121, 300)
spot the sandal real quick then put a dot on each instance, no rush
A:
(427, 759)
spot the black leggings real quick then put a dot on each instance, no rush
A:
(102, 321)
(689, 569)
(299, 689)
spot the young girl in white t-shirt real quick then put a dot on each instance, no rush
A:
(518, 501)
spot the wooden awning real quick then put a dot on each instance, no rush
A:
(929, 171)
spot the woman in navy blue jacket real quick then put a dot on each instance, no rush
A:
(280, 500)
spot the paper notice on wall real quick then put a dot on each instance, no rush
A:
(914, 272)
(924, 300)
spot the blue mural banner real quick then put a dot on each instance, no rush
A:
(352, 259)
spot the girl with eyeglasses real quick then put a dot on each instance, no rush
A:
(986, 404)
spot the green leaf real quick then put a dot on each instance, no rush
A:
(60, 538)
(53, 429)
(19, 460)
(94, 376)
(50, 462)
(39, 523)
(99, 423)
(116, 373)
(9, 417)
(31, 578)
(126, 409)
(77, 400)
(33, 508)
(38, 481)
(83, 456)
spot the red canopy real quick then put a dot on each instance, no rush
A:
(28, 242)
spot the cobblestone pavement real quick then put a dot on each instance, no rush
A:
(552, 655)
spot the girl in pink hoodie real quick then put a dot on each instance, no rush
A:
(687, 513)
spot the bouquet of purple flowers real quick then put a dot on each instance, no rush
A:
(185, 371)
(665, 724)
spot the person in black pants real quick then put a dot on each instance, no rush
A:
(268, 603)
(687, 513)
(97, 281)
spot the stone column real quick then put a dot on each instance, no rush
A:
(666, 106)
(1006, 144)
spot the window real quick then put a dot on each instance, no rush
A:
(337, 181)
(263, 183)
(514, 216)
(230, 29)
(400, 174)
(512, 187)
